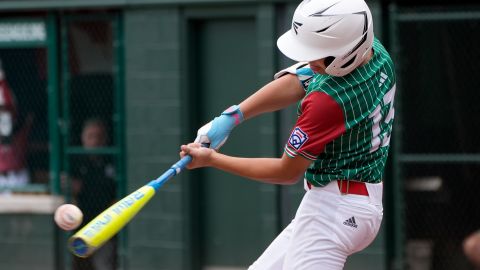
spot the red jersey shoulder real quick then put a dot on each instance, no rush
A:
(320, 122)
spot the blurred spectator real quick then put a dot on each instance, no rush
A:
(93, 188)
(13, 139)
(471, 248)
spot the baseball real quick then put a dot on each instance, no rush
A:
(68, 217)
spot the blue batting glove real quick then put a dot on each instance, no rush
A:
(216, 132)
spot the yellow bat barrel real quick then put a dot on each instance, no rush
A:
(98, 231)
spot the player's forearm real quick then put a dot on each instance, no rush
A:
(267, 170)
(274, 96)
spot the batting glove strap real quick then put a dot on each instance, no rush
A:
(217, 131)
(235, 112)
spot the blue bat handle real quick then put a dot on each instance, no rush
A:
(174, 170)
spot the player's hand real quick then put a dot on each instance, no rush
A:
(201, 155)
(216, 132)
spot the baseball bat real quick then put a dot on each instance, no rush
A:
(103, 227)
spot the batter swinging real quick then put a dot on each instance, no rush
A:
(340, 141)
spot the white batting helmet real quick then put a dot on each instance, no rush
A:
(341, 29)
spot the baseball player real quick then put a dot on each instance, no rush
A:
(344, 82)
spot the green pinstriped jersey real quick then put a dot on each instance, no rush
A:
(365, 97)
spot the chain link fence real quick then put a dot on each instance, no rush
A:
(60, 123)
(24, 161)
(438, 77)
(89, 111)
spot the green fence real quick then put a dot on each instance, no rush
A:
(24, 132)
(92, 122)
(61, 130)
(437, 153)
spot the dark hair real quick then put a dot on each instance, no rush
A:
(329, 60)
(94, 122)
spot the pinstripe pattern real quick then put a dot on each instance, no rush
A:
(366, 98)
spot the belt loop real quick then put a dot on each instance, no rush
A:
(341, 188)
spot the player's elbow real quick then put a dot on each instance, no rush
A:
(289, 174)
(290, 178)
(291, 170)
(291, 181)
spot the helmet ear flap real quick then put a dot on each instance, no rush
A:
(340, 67)
(350, 61)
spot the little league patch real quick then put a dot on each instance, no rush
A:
(297, 138)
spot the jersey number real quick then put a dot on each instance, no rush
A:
(382, 117)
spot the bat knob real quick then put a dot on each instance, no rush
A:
(79, 247)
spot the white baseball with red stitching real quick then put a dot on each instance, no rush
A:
(68, 217)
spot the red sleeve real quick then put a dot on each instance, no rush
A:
(320, 122)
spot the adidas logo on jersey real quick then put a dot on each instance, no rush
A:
(350, 222)
(383, 78)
